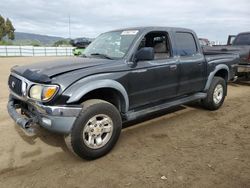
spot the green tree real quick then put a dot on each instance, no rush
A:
(9, 29)
(62, 42)
(35, 43)
(2, 28)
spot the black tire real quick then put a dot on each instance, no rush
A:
(209, 102)
(91, 108)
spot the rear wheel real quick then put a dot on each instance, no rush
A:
(216, 94)
(96, 130)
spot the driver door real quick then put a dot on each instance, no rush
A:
(155, 80)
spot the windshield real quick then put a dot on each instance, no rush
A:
(242, 39)
(111, 45)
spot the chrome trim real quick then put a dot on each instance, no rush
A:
(66, 111)
(26, 85)
(24, 88)
(17, 96)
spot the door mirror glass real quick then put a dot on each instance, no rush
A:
(144, 54)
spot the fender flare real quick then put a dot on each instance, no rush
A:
(212, 74)
(98, 84)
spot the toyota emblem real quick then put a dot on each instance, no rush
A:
(13, 84)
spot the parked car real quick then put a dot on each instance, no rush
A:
(238, 45)
(80, 44)
(124, 74)
(78, 51)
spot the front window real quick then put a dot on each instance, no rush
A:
(111, 45)
(159, 41)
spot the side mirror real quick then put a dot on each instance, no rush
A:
(144, 54)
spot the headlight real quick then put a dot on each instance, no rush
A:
(42, 93)
(36, 92)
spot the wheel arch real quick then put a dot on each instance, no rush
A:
(223, 73)
(109, 90)
(220, 71)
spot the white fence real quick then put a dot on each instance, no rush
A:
(35, 51)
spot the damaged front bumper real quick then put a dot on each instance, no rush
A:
(54, 118)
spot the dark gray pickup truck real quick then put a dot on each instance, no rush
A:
(240, 45)
(124, 75)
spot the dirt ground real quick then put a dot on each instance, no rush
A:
(185, 147)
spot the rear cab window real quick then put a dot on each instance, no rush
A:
(186, 44)
(242, 39)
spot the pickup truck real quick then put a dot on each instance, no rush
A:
(239, 45)
(123, 75)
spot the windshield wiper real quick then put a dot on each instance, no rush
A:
(101, 55)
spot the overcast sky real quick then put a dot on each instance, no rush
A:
(212, 19)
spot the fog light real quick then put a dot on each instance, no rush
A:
(46, 121)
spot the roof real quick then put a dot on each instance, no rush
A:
(242, 33)
(150, 28)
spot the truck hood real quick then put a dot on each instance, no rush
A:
(44, 71)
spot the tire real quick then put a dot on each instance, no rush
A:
(98, 120)
(216, 94)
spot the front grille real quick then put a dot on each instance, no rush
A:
(15, 85)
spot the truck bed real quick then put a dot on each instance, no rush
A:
(212, 56)
(242, 51)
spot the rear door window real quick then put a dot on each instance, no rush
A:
(186, 44)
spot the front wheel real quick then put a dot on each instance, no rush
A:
(95, 131)
(216, 94)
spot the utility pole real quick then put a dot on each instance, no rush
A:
(69, 28)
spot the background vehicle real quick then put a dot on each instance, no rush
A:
(204, 42)
(123, 75)
(80, 44)
(230, 39)
(240, 45)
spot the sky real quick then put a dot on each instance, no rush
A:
(212, 19)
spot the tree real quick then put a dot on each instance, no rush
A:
(62, 42)
(9, 29)
(35, 43)
(2, 28)
(6, 28)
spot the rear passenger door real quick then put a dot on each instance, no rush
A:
(192, 64)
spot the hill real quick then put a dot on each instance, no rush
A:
(30, 38)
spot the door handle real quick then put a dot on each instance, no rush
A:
(173, 67)
(200, 63)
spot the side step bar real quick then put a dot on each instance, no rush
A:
(131, 115)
